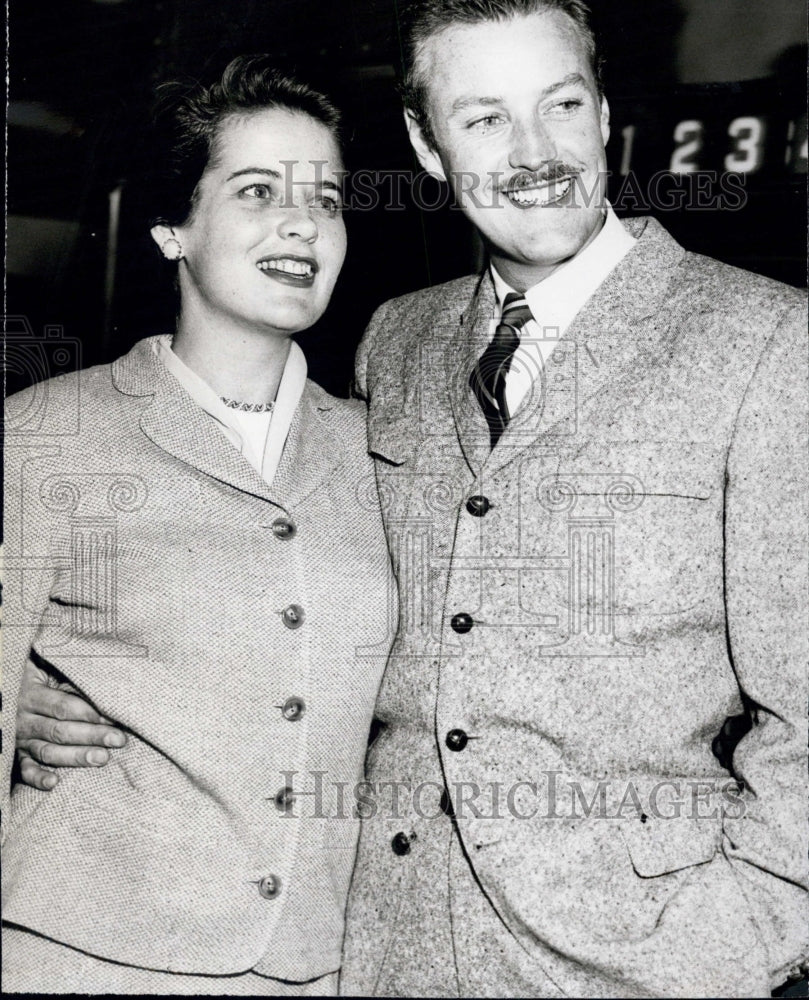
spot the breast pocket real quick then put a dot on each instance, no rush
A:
(652, 515)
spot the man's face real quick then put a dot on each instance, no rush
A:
(520, 134)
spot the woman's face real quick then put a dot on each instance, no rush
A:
(265, 240)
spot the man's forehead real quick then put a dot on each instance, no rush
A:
(460, 50)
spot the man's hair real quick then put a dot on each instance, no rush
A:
(188, 120)
(422, 19)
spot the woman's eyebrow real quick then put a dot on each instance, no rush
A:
(256, 170)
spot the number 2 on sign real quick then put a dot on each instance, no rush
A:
(688, 135)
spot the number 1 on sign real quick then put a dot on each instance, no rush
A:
(628, 133)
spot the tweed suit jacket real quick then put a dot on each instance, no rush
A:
(144, 564)
(638, 574)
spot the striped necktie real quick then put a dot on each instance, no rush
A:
(488, 378)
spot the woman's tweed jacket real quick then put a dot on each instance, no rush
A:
(148, 563)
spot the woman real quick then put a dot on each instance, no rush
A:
(193, 533)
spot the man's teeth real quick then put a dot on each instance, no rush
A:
(541, 195)
(299, 267)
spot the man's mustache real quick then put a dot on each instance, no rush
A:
(554, 172)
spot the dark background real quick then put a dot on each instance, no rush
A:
(83, 274)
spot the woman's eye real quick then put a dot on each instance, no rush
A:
(331, 205)
(261, 192)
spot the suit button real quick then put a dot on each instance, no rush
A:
(284, 798)
(269, 886)
(462, 623)
(478, 506)
(293, 616)
(401, 843)
(456, 740)
(293, 709)
(282, 528)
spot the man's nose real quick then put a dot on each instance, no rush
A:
(298, 222)
(532, 146)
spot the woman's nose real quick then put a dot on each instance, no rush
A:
(298, 223)
(532, 146)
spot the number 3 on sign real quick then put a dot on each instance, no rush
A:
(748, 148)
(688, 137)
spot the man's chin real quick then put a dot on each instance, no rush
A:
(553, 246)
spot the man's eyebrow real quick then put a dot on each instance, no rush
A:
(467, 102)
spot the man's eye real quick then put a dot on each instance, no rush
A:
(487, 122)
(569, 107)
(260, 192)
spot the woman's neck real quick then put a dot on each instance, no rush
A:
(239, 365)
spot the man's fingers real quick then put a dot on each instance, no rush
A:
(58, 704)
(39, 727)
(37, 777)
(62, 756)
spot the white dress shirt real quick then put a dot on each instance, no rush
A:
(260, 437)
(555, 302)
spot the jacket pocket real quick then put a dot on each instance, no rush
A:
(659, 845)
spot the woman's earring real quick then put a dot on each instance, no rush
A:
(172, 249)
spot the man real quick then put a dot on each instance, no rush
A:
(600, 542)
(592, 460)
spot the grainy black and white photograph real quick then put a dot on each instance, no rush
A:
(406, 509)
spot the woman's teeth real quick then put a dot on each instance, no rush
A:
(299, 267)
(541, 195)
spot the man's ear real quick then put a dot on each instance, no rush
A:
(427, 156)
(605, 120)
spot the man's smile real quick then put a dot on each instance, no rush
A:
(528, 190)
(540, 195)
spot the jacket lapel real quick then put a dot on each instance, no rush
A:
(620, 332)
(312, 452)
(175, 423)
(470, 341)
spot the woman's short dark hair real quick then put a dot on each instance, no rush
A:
(188, 118)
(421, 19)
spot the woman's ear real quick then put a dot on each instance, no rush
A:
(164, 236)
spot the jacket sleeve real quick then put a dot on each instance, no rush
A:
(767, 606)
(359, 387)
(28, 573)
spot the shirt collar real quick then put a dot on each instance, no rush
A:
(555, 301)
(290, 390)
